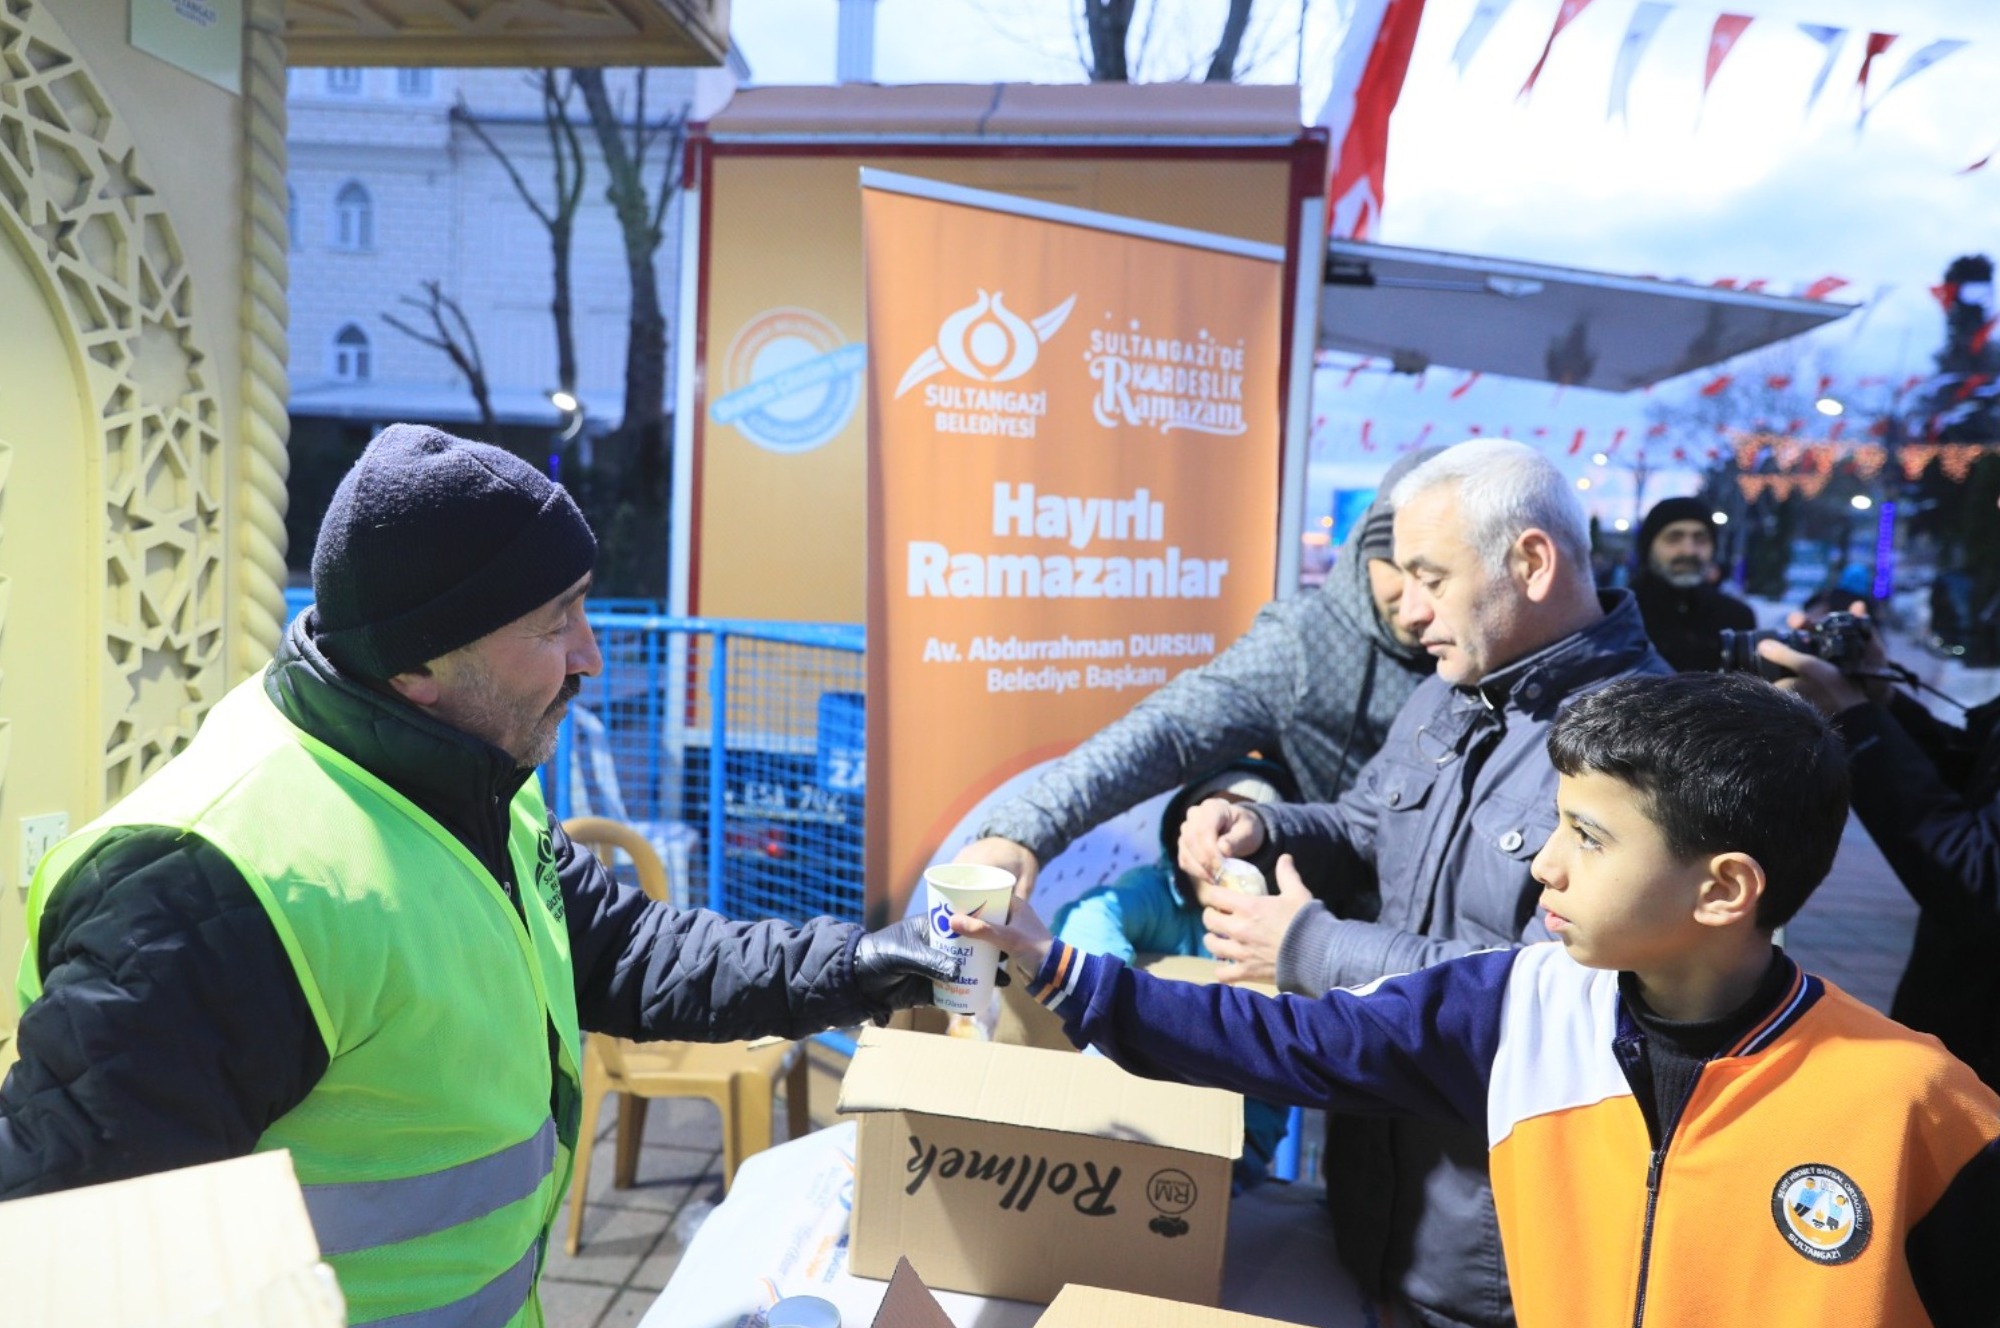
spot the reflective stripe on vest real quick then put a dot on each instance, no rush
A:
(427, 1151)
(496, 1302)
(361, 1214)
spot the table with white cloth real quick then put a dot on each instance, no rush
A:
(783, 1232)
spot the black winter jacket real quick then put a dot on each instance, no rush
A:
(172, 1030)
(1686, 625)
(1929, 795)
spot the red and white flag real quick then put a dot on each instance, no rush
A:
(1646, 20)
(1367, 79)
(1722, 40)
(1564, 17)
(1878, 42)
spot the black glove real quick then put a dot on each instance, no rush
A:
(894, 967)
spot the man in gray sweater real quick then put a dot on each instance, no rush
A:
(1315, 682)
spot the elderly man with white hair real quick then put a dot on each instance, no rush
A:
(1442, 825)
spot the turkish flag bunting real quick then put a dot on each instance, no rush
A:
(1576, 443)
(1878, 42)
(1465, 386)
(1718, 385)
(1721, 41)
(1824, 287)
(1564, 16)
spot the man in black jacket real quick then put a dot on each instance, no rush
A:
(1684, 614)
(1929, 795)
(171, 1026)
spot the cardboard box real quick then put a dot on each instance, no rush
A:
(1096, 1307)
(1010, 1171)
(227, 1245)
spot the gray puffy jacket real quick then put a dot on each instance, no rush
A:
(1442, 825)
(1315, 682)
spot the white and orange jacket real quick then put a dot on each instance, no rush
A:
(1832, 1167)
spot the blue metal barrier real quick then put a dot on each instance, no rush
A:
(770, 829)
(772, 826)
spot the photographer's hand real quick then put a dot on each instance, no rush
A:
(1828, 689)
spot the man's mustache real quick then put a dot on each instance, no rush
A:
(571, 686)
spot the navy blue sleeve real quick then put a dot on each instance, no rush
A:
(1421, 1044)
(1951, 1249)
(171, 1029)
(647, 970)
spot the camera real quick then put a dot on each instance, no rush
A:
(1839, 639)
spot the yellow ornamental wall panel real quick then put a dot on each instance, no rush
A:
(120, 264)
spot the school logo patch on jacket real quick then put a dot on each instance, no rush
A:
(1822, 1212)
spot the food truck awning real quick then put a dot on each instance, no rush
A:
(1417, 308)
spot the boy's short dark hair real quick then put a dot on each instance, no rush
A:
(1724, 762)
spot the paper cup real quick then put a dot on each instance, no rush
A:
(966, 889)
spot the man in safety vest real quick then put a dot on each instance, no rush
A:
(342, 922)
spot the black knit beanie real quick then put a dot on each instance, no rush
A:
(1664, 514)
(431, 542)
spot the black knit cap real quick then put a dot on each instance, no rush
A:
(431, 542)
(1664, 514)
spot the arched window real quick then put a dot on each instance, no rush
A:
(353, 217)
(291, 217)
(351, 355)
(343, 82)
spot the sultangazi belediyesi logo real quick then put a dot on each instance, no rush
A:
(985, 346)
(986, 342)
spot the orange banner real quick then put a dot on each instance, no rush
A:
(1073, 478)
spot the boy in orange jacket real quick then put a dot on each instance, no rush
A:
(1685, 1127)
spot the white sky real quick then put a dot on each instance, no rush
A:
(1748, 186)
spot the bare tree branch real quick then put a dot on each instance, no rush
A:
(451, 332)
(1222, 65)
(559, 219)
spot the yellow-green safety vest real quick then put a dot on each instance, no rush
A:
(435, 1150)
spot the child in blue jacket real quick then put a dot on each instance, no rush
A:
(1153, 910)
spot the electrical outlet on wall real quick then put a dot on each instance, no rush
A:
(39, 834)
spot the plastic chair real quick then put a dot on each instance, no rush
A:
(740, 1078)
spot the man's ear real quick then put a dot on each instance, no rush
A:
(419, 686)
(1732, 891)
(1533, 560)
